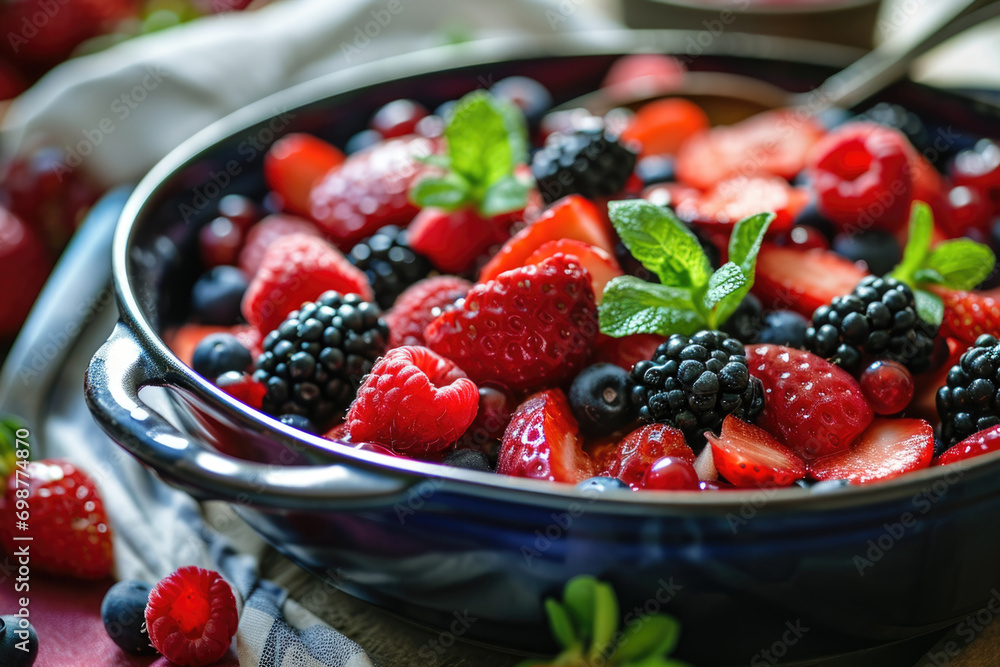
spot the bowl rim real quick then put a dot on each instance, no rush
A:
(468, 482)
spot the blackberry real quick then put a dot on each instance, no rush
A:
(588, 162)
(878, 318)
(313, 363)
(693, 383)
(970, 401)
(389, 262)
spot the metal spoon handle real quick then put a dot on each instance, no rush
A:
(891, 60)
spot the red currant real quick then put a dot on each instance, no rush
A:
(219, 242)
(888, 386)
(398, 118)
(967, 210)
(979, 168)
(241, 210)
(671, 474)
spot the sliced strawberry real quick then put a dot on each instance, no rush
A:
(543, 441)
(731, 200)
(663, 125)
(640, 449)
(968, 315)
(802, 280)
(812, 406)
(888, 448)
(371, 189)
(977, 444)
(627, 351)
(452, 241)
(295, 164)
(747, 455)
(770, 143)
(571, 217)
(601, 266)
(263, 235)
(704, 465)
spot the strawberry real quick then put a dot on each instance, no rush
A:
(542, 441)
(632, 458)
(747, 455)
(452, 241)
(263, 235)
(770, 143)
(183, 340)
(24, 266)
(812, 406)
(601, 266)
(968, 315)
(802, 280)
(626, 351)
(419, 305)
(370, 190)
(70, 534)
(663, 125)
(731, 200)
(296, 269)
(295, 164)
(886, 449)
(977, 444)
(414, 401)
(531, 327)
(571, 217)
(642, 74)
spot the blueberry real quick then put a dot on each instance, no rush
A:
(123, 614)
(531, 97)
(299, 422)
(471, 459)
(784, 327)
(217, 294)
(599, 399)
(654, 169)
(877, 248)
(598, 485)
(218, 353)
(11, 653)
(362, 140)
(745, 323)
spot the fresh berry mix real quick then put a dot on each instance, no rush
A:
(647, 303)
(315, 360)
(191, 617)
(693, 383)
(389, 262)
(123, 613)
(590, 162)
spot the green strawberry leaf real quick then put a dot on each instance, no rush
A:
(663, 244)
(648, 637)
(506, 195)
(449, 192)
(930, 308)
(961, 263)
(631, 306)
(561, 624)
(918, 245)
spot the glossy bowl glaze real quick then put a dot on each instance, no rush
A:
(856, 567)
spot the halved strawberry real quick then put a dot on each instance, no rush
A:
(747, 455)
(628, 350)
(572, 217)
(453, 240)
(295, 164)
(770, 143)
(601, 266)
(977, 444)
(731, 200)
(888, 448)
(543, 441)
(802, 280)
(663, 125)
(968, 315)
(640, 449)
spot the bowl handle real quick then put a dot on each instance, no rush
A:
(121, 367)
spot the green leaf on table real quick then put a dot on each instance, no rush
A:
(631, 306)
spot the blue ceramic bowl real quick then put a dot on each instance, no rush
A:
(846, 569)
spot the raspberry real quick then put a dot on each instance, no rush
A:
(531, 327)
(967, 403)
(265, 233)
(297, 269)
(414, 401)
(590, 162)
(191, 616)
(389, 262)
(69, 528)
(419, 305)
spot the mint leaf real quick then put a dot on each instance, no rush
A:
(506, 195)
(631, 306)
(578, 596)
(482, 144)
(649, 637)
(449, 192)
(727, 280)
(928, 276)
(962, 263)
(605, 620)
(918, 244)
(929, 306)
(560, 624)
(745, 241)
(663, 244)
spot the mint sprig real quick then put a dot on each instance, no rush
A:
(690, 295)
(486, 140)
(959, 264)
(586, 625)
